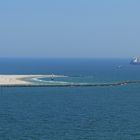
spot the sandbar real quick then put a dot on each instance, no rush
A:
(20, 79)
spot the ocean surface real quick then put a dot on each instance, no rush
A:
(71, 113)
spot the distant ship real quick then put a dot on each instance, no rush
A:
(135, 61)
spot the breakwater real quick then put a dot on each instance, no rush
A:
(72, 85)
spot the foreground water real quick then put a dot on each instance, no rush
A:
(72, 113)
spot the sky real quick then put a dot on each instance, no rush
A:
(70, 28)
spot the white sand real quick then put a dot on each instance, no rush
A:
(18, 79)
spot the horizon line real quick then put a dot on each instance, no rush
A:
(66, 57)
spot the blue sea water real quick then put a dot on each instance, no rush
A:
(71, 113)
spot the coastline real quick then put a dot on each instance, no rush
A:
(29, 81)
(21, 79)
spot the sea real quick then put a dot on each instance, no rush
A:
(71, 113)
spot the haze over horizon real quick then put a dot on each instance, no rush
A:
(70, 29)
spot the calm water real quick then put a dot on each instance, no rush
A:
(84, 113)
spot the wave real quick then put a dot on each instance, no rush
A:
(44, 82)
(73, 85)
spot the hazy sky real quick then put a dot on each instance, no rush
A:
(69, 28)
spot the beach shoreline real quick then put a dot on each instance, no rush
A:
(20, 79)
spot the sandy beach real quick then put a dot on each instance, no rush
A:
(19, 79)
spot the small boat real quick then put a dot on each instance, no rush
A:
(52, 77)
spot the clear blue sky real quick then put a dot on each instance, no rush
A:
(69, 28)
